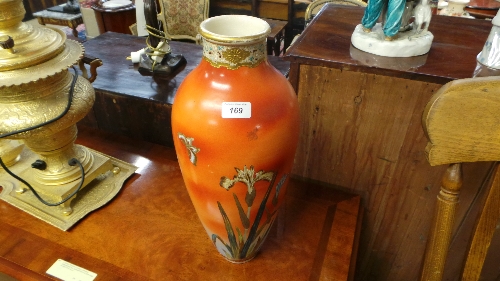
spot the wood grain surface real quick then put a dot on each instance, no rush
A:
(461, 123)
(150, 230)
(483, 9)
(327, 42)
(361, 131)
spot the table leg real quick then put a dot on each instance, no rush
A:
(270, 46)
(277, 44)
(73, 26)
(41, 21)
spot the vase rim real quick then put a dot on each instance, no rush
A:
(234, 29)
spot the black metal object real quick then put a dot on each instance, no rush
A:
(71, 7)
(171, 64)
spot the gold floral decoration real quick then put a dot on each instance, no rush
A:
(191, 149)
(235, 55)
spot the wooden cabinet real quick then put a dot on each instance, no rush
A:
(115, 20)
(361, 131)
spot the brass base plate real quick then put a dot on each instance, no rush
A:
(97, 193)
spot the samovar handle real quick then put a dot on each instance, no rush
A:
(7, 43)
(93, 62)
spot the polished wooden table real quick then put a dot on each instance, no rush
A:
(361, 130)
(150, 231)
(483, 9)
(134, 105)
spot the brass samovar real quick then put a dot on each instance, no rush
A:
(40, 102)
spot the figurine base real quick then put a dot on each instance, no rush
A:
(488, 60)
(95, 194)
(170, 66)
(401, 64)
(405, 44)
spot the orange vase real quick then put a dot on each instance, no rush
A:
(235, 122)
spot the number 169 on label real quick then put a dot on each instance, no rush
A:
(236, 110)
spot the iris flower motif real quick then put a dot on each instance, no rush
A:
(248, 177)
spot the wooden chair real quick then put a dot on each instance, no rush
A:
(275, 12)
(462, 123)
(276, 43)
(181, 18)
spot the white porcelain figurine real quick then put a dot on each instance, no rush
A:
(408, 42)
(490, 55)
(423, 14)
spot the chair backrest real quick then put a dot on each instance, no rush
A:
(315, 7)
(462, 123)
(181, 18)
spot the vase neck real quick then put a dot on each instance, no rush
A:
(233, 56)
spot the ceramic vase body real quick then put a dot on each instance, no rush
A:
(235, 122)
